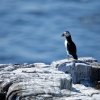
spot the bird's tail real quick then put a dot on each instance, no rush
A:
(75, 56)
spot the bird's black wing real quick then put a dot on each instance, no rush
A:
(71, 47)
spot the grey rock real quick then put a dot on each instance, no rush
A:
(84, 69)
(38, 81)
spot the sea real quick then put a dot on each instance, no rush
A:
(30, 30)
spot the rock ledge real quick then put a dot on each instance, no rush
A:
(62, 80)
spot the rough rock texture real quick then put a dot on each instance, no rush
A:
(85, 69)
(39, 81)
(95, 74)
(85, 72)
(33, 82)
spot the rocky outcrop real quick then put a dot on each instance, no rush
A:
(86, 69)
(62, 80)
(36, 81)
(95, 74)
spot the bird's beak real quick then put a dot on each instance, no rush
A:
(62, 35)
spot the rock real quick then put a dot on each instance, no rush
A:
(88, 59)
(2, 96)
(82, 71)
(36, 81)
(41, 65)
(39, 81)
(95, 74)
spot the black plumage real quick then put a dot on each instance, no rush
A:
(70, 45)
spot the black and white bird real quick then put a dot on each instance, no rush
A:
(70, 45)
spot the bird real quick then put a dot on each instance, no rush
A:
(70, 45)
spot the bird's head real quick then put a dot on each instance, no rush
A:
(66, 34)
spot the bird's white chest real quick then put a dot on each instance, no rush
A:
(66, 47)
(65, 43)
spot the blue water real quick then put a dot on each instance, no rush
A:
(30, 30)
